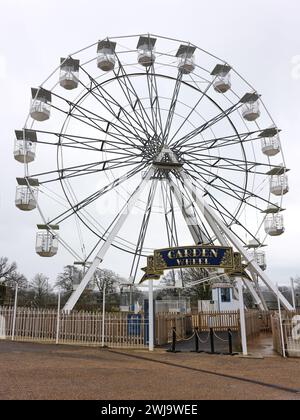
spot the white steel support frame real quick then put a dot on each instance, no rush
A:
(218, 225)
(281, 325)
(293, 294)
(242, 316)
(111, 237)
(151, 316)
(257, 290)
(192, 224)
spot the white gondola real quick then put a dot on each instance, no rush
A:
(186, 59)
(270, 144)
(257, 254)
(260, 258)
(279, 185)
(274, 224)
(146, 51)
(250, 109)
(222, 78)
(26, 198)
(25, 146)
(106, 55)
(26, 193)
(69, 73)
(40, 104)
(46, 242)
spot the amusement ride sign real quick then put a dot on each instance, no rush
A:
(205, 256)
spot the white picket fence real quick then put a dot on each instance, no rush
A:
(81, 328)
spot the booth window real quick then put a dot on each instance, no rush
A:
(225, 295)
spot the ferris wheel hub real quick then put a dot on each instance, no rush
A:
(167, 160)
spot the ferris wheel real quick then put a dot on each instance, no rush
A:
(143, 141)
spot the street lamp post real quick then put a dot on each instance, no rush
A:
(103, 315)
(15, 313)
(242, 316)
(58, 316)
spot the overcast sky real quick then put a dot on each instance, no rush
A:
(261, 41)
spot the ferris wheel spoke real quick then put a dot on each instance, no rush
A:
(221, 209)
(122, 211)
(154, 101)
(170, 222)
(220, 142)
(202, 231)
(203, 94)
(245, 165)
(213, 121)
(109, 102)
(232, 164)
(239, 194)
(223, 216)
(133, 98)
(94, 119)
(143, 230)
(223, 212)
(126, 151)
(233, 190)
(88, 170)
(86, 141)
(75, 208)
(172, 108)
(169, 216)
(105, 131)
(82, 167)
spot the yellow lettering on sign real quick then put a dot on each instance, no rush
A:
(171, 255)
(179, 254)
(214, 253)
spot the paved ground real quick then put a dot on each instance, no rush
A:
(37, 371)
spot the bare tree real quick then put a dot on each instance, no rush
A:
(40, 288)
(111, 282)
(6, 269)
(9, 274)
(68, 278)
(297, 283)
(108, 279)
(18, 278)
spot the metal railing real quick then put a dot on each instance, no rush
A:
(286, 337)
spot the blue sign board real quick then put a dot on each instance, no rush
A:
(194, 256)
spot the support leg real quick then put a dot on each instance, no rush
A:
(242, 317)
(151, 317)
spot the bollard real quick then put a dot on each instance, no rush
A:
(173, 347)
(174, 340)
(230, 341)
(212, 344)
(196, 341)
